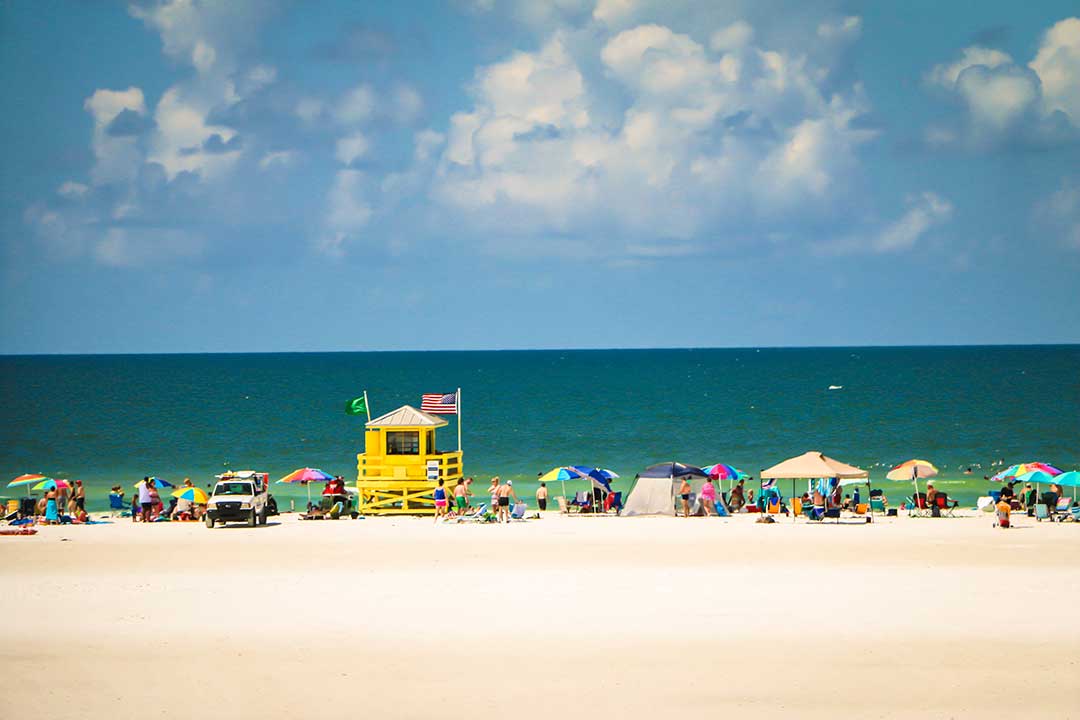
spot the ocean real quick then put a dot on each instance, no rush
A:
(113, 419)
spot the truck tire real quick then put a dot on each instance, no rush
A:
(252, 519)
(209, 522)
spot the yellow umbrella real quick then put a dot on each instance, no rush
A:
(194, 494)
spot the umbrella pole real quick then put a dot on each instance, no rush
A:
(567, 502)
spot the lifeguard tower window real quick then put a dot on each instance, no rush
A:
(403, 442)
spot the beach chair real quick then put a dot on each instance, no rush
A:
(944, 505)
(1002, 519)
(477, 514)
(919, 508)
(862, 508)
(1042, 512)
(563, 507)
(1074, 514)
(796, 506)
(1063, 508)
(877, 504)
(773, 506)
(518, 511)
(117, 506)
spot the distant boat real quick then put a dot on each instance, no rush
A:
(836, 387)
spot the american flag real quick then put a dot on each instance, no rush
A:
(439, 403)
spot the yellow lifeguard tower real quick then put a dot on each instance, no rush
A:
(400, 467)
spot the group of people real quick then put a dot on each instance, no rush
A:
(148, 506)
(500, 495)
(63, 502)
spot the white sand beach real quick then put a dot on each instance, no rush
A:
(561, 617)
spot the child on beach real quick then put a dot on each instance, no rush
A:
(440, 500)
(1003, 508)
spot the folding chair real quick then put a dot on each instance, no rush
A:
(919, 507)
(945, 505)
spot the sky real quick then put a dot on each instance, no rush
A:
(264, 175)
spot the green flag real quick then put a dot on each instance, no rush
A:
(356, 406)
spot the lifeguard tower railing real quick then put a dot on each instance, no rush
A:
(399, 485)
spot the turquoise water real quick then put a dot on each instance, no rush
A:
(107, 419)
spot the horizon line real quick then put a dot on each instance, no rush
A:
(927, 346)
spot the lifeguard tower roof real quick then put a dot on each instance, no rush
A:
(407, 416)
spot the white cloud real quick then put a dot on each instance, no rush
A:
(612, 11)
(116, 159)
(407, 104)
(735, 36)
(734, 139)
(72, 190)
(846, 28)
(182, 135)
(348, 212)
(356, 106)
(352, 148)
(925, 211)
(1060, 213)
(309, 109)
(137, 247)
(1005, 101)
(946, 74)
(278, 159)
(1058, 66)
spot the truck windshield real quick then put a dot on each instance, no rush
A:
(233, 488)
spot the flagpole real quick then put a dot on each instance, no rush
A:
(459, 420)
(367, 408)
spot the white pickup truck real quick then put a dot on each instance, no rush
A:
(239, 496)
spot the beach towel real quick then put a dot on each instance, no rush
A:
(18, 531)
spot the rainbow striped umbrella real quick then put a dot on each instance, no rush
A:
(194, 494)
(306, 476)
(50, 484)
(1024, 468)
(27, 480)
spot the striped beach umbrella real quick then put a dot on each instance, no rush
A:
(1014, 472)
(27, 480)
(194, 494)
(913, 470)
(306, 476)
(51, 484)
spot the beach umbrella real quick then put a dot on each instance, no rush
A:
(305, 476)
(723, 471)
(27, 481)
(50, 484)
(913, 470)
(1071, 479)
(1015, 471)
(160, 482)
(194, 494)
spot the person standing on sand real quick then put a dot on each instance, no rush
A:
(52, 515)
(737, 498)
(505, 492)
(708, 497)
(146, 500)
(541, 497)
(684, 496)
(493, 491)
(440, 500)
(80, 496)
(460, 498)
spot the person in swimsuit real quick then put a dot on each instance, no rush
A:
(505, 492)
(684, 495)
(459, 496)
(541, 496)
(146, 499)
(738, 499)
(493, 491)
(80, 496)
(708, 497)
(52, 515)
(440, 501)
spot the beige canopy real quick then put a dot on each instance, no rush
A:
(813, 465)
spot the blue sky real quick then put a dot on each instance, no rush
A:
(263, 176)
